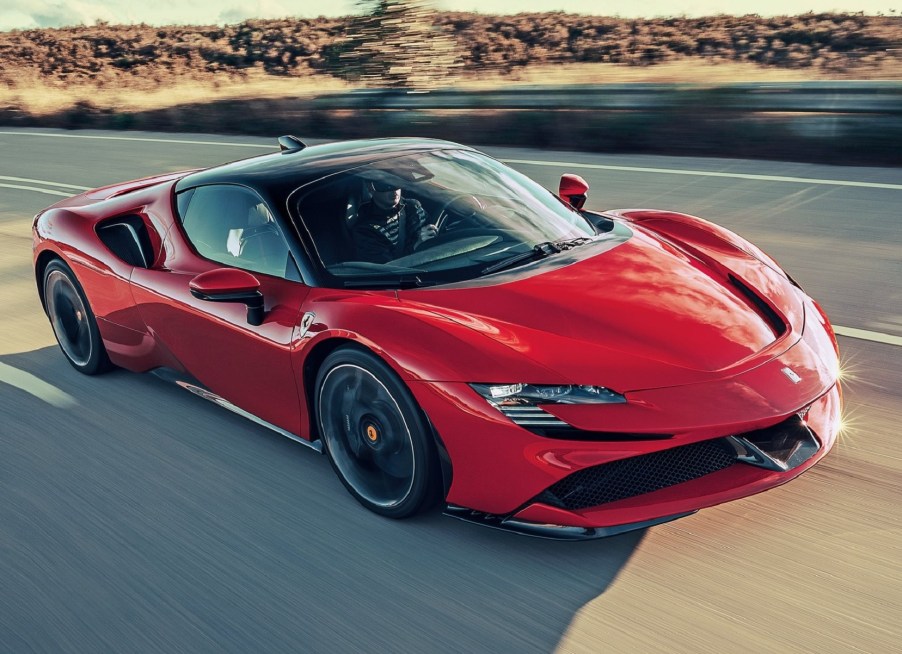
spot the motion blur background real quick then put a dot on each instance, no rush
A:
(812, 86)
(136, 517)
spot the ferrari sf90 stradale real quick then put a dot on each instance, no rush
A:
(446, 330)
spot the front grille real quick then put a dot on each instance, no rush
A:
(625, 478)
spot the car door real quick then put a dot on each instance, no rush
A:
(228, 226)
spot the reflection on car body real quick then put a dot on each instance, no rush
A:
(528, 363)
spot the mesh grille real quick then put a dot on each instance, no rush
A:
(619, 480)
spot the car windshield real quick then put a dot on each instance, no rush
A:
(430, 218)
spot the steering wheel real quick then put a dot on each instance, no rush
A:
(468, 207)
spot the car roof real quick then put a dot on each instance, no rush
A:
(279, 173)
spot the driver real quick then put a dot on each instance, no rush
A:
(388, 226)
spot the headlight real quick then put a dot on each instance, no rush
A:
(509, 395)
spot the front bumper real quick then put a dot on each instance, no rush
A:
(502, 472)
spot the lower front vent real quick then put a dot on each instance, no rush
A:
(637, 475)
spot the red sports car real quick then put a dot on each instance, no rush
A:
(445, 329)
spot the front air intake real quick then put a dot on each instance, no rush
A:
(780, 447)
(542, 423)
(531, 417)
(637, 475)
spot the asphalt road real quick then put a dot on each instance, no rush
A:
(135, 517)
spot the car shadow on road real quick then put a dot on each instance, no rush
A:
(138, 517)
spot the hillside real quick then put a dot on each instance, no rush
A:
(141, 57)
(261, 76)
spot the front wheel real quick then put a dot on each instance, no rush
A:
(375, 435)
(73, 321)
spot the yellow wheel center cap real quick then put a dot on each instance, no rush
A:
(372, 433)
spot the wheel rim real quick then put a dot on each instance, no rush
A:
(69, 317)
(366, 434)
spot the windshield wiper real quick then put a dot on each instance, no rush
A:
(539, 251)
(570, 243)
(404, 281)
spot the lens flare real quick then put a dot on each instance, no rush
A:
(848, 369)
(848, 429)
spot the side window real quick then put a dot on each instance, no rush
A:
(329, 212)
(233, 226)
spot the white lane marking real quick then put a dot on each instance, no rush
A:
(44, 182)
(36, 189)
(37, 387)
(140, 138)
(556, 164)
(865, 335)
(707, 173)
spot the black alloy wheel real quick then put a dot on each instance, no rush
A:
(376, 437)
(73, 321)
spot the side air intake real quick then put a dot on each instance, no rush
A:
(127, 238)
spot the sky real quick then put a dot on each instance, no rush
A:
(23, 14)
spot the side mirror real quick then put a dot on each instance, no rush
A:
(573, 190)
(230, 285)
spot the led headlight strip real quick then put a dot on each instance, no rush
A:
(520, 402)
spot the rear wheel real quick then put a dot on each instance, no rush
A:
(375, 435)
(73, 321)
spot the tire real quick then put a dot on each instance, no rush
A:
(73, 321)
(375, 434)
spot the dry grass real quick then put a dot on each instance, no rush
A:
(688, 71)
(39, 98)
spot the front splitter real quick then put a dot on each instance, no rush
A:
(549, 531)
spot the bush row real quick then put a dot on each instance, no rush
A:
(146, 55)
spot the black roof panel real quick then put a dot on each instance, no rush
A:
(279, 173)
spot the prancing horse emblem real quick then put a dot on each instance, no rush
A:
(306, 321)
(793, 377)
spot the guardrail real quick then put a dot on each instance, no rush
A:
(839, 122)
(835, 121)
(814, 97)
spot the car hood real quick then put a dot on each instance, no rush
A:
(644, 314)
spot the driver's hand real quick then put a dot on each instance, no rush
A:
(427, 232)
